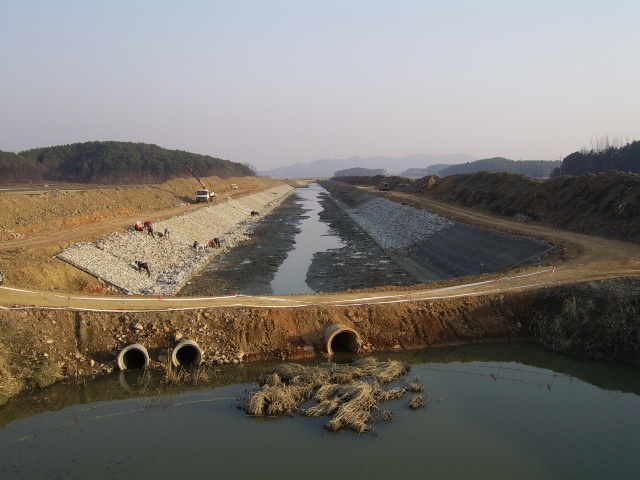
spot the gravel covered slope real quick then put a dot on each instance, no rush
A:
(172, 260)
(432, 248)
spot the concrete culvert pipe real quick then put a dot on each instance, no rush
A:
(186, 352)
(339, 338)
(133, 357)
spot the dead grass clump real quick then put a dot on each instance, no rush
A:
(417, 401)
(43, 374)
(416, 386)
(383, 372)
(348, 393)
(10, 384)
(277, 398)
(393, 394)
(186, 375)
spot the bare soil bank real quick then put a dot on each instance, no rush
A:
(593, 319)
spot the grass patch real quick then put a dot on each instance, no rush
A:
(43, 374)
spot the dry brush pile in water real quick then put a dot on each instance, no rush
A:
(348, 393)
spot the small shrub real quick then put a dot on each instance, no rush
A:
(43, 374)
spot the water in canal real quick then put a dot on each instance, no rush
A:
(313, 237)
(494, 412)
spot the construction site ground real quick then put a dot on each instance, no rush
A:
(50, 310)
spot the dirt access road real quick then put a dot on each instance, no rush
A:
(580, 257)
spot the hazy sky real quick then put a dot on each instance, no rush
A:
(273, 82)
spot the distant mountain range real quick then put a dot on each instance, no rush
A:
(392, 165)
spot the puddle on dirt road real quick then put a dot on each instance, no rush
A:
(499, 411)
(314, 237)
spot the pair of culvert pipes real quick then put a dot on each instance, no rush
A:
(337, 338)
(135, 356)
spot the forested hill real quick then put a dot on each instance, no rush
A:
(606, 159)
(111, 163)
(535, 168)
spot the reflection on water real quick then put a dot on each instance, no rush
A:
(494, 411)
(314, 237)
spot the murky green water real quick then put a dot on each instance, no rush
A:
(494, 411)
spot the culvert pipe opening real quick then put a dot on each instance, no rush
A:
(339, 338)
(186, 353)
(133, 357)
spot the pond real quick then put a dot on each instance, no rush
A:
(499, 411)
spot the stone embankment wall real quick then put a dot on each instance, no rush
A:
(432, 247)
(172, 259)
(393, 225)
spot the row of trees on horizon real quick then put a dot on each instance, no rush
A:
(605, 158)
(129, 163)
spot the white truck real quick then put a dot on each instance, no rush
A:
(204, 196)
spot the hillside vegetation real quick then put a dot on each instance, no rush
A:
(535, 168)
(111, 163)
(360, 171)
(605, 159)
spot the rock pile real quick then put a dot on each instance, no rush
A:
(172, 259)
(393, 225)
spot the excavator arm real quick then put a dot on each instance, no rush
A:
(197, 178)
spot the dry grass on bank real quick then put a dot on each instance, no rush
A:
(38, 374)
(597, 320)
(348, 393)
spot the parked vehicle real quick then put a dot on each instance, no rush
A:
(204, 194)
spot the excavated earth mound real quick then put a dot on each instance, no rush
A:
(606, 204)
